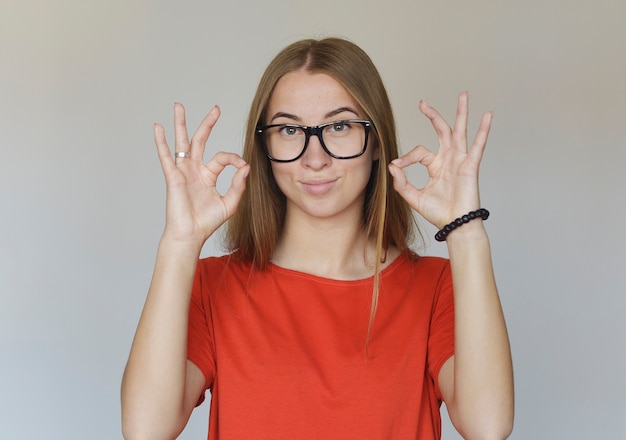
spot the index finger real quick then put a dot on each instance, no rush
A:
(223, 159)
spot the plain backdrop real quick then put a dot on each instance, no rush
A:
(82, 195)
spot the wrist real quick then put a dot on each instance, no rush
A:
(472, 218)
(469, 232)
(181, 247)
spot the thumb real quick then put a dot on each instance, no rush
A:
(237, 187)
(405, 188)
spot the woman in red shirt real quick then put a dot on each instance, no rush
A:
(321, 322)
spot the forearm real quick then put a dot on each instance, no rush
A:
(153, 386)
(483, 375)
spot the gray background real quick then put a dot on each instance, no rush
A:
(82, 196)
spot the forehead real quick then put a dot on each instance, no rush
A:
(309, 95)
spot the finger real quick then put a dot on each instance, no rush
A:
(419, 154)
(221, 160)
(180, 129)
(163, 150)
(439, 124)
(459, 132)
(480, 141)
(237, 187)
(200, 137)
(401, 184)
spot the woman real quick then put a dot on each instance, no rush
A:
(321, 322)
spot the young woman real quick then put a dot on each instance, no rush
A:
(321, 322)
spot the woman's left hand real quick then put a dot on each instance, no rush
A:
(452, 187)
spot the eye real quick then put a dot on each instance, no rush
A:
(339, 127)
(290, 131)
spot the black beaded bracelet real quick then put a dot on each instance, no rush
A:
(445, 231)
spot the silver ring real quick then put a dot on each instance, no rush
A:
(181, 154)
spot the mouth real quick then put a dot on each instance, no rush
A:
(318, 187)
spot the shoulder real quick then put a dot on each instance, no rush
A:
(224, 262)
(229, 267)
(429, 279)
(432, 266)
(421, 276)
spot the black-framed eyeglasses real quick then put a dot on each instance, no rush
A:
(345, 139)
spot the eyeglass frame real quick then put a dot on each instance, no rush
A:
(315, 130)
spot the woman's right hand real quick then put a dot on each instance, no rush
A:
(194, 208)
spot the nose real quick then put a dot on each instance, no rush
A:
(315, 157)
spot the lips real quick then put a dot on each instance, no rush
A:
(318, 187)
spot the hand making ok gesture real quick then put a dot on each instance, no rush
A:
(452, 187)
(194, 208)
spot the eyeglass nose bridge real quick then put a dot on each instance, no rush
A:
(317, 132)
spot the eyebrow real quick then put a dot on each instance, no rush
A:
(326, 116)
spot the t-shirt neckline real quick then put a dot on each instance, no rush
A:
(399, 260)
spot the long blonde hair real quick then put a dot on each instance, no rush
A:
(388, 220)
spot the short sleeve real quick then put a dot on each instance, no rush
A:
(200, 345)
(441, 337)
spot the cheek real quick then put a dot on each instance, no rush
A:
(364, 173)
(281, 175)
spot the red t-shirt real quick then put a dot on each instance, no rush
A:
(283, 352)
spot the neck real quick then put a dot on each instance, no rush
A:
(331, 248)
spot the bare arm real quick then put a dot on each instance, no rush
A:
(477, 382)
(160, 386)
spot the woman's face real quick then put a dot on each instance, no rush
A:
(318, 185)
